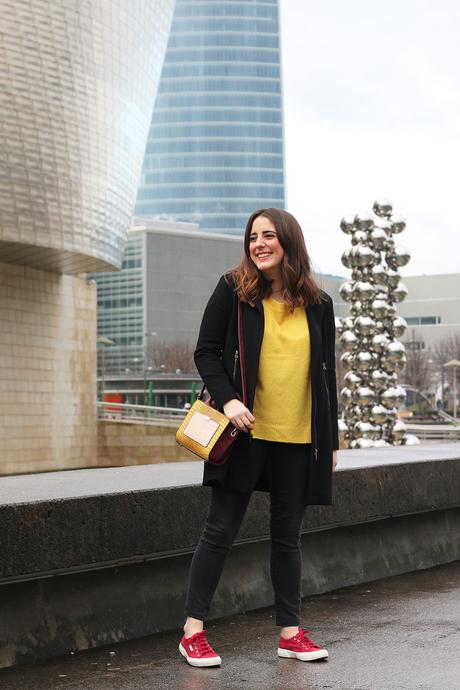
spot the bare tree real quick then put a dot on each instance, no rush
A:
(417, 370)
(173, 356)
(446, 349)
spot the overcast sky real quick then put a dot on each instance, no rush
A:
(372, 109)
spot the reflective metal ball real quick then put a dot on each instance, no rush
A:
(378, 239)
(364, 443)
(347, 224)
(346, 394)
(366, 395)
(395, 351)
(380, 343)
(349, 340)
(363, 291)
(364, 256)
(399, 293)
(379, 273)
(399, 256)
(383, 208)
(346, 258)
(345, 291)
(352, 380)
(346, 360)
(363, 360)
(399, 326)
(356, 308)
(379, 308)
(359, 237)
(392, 278)
(389, 398)
(411, 440)
(379, 414)
(398, 224)
(364, 221)
(364, 325)
(379, 379)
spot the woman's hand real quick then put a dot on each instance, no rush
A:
(334, 460)
(239, 415)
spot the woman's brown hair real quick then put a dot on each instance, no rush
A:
(300, 288)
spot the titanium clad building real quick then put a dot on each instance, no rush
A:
(77, 88)
(215, 146)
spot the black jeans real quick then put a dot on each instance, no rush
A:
(288, 467)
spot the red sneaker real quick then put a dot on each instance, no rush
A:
(301, 647)
(197, 650)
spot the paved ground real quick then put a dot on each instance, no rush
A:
(46, 486)
(402, 633)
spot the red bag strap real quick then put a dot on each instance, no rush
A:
(241, 351)
(241, 348)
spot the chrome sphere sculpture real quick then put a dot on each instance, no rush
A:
(373, 354)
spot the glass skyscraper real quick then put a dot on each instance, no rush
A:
(215, 146)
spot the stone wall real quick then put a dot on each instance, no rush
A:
(47, 371)
(126, 443)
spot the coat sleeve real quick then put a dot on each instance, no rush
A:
(329, 339)
(211, 340)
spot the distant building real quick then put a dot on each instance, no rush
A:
(431, 308)
(169, 270)
(215, 147)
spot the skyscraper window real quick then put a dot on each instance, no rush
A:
(215, 147)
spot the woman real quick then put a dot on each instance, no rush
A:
(289, 424)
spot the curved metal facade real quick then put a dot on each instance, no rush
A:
(77, 87)
(215, 148)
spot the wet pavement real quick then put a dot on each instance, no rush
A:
(401, 633)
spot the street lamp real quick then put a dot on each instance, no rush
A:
(102, 340)
(149, 368)
(146, 343)
(453, 364)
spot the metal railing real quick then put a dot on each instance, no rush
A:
(448, 417)
(147, 414)
(443, 432)
(139, 413)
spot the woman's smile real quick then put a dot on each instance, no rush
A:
(264, 246)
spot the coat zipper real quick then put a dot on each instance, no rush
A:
(325, 379)
(315, 447)
(235, 362)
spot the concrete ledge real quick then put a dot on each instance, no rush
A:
(395, 510)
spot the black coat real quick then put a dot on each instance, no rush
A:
(215, 359)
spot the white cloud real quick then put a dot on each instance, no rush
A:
(372, 109)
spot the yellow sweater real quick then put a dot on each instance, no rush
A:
(282, 403)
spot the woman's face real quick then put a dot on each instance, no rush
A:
(264, 247)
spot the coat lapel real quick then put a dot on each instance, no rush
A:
(253, 333)
(315, 341)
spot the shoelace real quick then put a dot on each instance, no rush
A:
(304, 639)
(201, 644)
